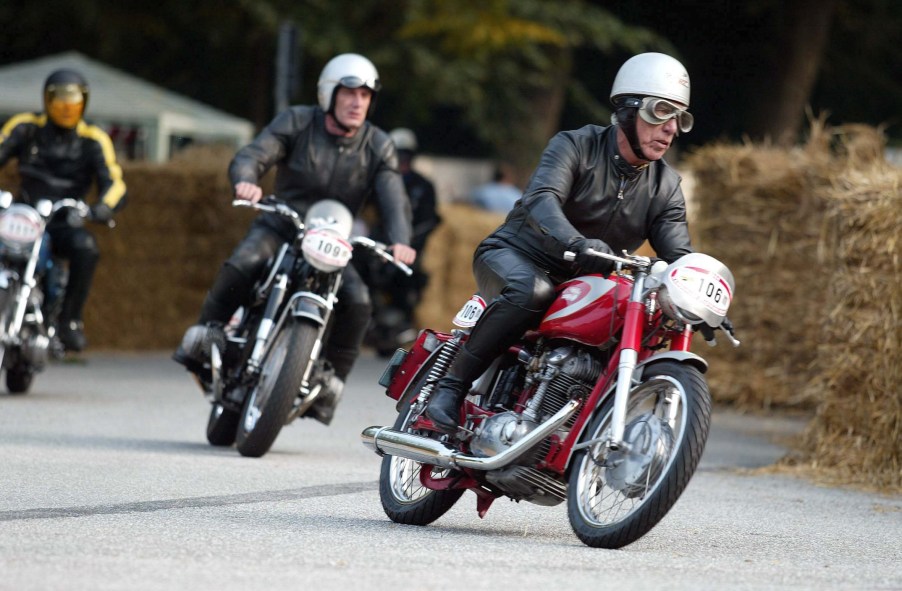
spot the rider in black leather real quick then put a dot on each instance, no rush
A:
(329, 151)
(600, 188)
(60, 155)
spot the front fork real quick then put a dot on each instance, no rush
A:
(24, 293)
(629, 356)
(265, 329)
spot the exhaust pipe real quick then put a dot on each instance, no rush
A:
(384, 440)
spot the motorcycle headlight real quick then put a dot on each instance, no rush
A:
(697, 288)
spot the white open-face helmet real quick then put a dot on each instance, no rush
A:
(349, 70)
(652, 74)
(404, 139)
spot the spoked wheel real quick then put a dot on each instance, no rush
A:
(404, 498)
(222, 426)
(616, 497)
(267, 406)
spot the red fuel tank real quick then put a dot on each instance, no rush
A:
(588, 309)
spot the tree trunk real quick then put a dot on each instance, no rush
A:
(529, 137)
(780, 116)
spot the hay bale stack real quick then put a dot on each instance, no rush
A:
(449, 262)
(759, 210)
(857, 432)
(163, 255)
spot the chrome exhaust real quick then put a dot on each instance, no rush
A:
(384, 440)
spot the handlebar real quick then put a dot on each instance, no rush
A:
(81, 208)
(633, 261)
(272, 205)
(381, 250)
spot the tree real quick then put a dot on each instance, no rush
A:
(508, 65)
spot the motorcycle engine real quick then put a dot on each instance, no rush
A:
(565, 373)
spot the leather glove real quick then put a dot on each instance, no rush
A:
(708, 331)
(589, 263)
(101, 213)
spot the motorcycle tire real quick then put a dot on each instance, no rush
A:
(18, 381)
(404, 498)
(222, 426)
(268, 404)
(614, 498)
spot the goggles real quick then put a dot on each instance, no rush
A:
(66, 93)
(658, 111)
(357, 82)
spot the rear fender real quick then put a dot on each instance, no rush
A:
(405, 367)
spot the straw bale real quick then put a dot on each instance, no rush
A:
(857, 430)
(811, 235)
(758, 211)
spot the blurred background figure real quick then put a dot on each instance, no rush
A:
(60, 155)
(395, 295)
(499, 195)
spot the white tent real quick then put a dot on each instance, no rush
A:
(119, 100)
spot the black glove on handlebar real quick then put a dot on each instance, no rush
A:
(589, 263)
(727, 326)
(101, 213)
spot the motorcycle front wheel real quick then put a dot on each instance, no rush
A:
(222, 426)
(404, 498)
(18, 380)
(268, 404)
(616, 497)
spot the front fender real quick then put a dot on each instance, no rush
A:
(311, 306)
(679, 356)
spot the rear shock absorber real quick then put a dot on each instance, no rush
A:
(442, 363)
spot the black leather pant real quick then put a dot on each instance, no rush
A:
(234, 284)
(79, 247)
(518, 293)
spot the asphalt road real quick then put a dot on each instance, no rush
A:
(107, 482)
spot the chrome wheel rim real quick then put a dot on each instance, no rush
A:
(613, 485)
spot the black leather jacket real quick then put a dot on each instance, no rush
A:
(314, 165)
(56, 162)
(583, 187)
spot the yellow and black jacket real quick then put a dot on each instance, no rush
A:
(55, 163)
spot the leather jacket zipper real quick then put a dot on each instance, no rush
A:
(622, 186)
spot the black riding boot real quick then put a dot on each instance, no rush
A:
(230, 290)
(444, 404)
(500, 326)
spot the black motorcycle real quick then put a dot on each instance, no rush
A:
(32, 284)
(266, 368)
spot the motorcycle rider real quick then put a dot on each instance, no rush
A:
(60, 155)
(327, 151)
(602, 188)
(396, 295)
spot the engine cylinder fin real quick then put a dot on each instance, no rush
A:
(529, 484)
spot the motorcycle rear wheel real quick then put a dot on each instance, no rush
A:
(268, 404)
(404, 498)
(614, 498)
(222, 426)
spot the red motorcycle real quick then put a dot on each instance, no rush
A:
(603, 405)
